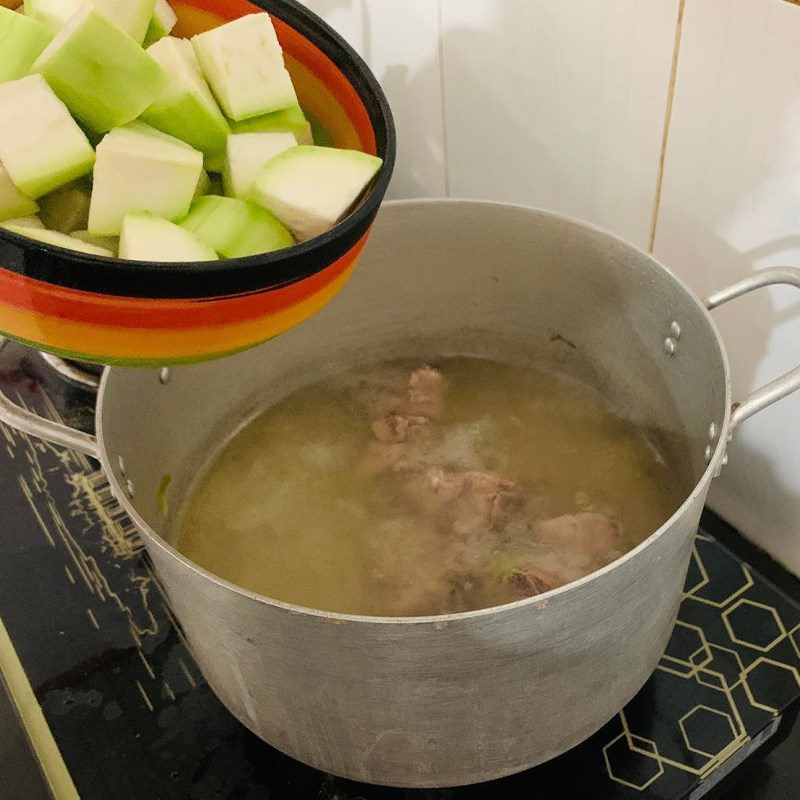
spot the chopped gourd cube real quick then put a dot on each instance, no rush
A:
(146, 237)
(186, 108)
(22, 41)
(310, 189)
(236, 228)
(246, 154)
(13, 203)
(141, 169)
(67, 209)
(101, 74)
(243, 63)
(41, 146)
(161, 25)
(288, 120)
(131, 16)
(61, 240)
(23, 222)
(107, 242)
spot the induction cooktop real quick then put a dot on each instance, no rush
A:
(114, 706)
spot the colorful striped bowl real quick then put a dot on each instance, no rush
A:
(110, 311)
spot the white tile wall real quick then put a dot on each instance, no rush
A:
(559, 104)
(399, 39)
(562, 104)
(730, 205)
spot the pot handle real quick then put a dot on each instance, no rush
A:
(54, 432)
(786, 384)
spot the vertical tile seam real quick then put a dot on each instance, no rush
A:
(676, 49)
(443, 99)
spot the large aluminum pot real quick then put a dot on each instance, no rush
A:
(468, 697)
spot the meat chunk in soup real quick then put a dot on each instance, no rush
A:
(564, 549)
(414, 393)
(594, 539)
(465, 500)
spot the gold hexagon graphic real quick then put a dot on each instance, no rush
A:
(723, 672)
(707, 731)
(687, 643)
(794, 638)
(747, 614)
(711, 679)
(764, 672)
(701, 571)
(707, 582)
(633, 761)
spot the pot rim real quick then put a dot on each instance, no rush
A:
(539, 601)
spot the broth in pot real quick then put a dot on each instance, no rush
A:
(416, 489)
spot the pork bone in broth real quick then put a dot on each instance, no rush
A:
(407, 489)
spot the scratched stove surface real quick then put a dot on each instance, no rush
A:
(134, 719)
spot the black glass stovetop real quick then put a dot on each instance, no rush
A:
(118, 709)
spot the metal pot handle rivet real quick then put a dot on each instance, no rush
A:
(786, 384)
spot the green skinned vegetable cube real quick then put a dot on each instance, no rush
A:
(203, 185)
(23, 222)
(41, 146)
(246, 154)
(163, 21)
(146, 237)
(62, 240)
(22, 41)
(53, 13)
(141, 169)
(243, 64)
(110, 243)
(186, 108)
(310, 189)
(13, 203)
(131, 16)
(67, 209)
(288, 120)
(102, 75)
(236, 228)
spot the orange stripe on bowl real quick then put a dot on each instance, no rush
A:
(301, 49)
(158, 345)
(20, 292)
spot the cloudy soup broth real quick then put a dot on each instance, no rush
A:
(413, 488)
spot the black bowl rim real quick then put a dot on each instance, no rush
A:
(98, 275)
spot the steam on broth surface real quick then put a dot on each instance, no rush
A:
(407, 489)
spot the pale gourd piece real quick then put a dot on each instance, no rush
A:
(235, 228)
(22, 41)
(23, 222)
(310, 189)
(161, 25)
(146, 237)
(203, 185)
(131, 16)
(110, 243)
(13, 203)
(67, 209)
(62, 240)
(246, 154)
(102, 75)
(186, 108)
(41, 146)
(53, 13)
(243, 64)
(141, 169)
(288, 120)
